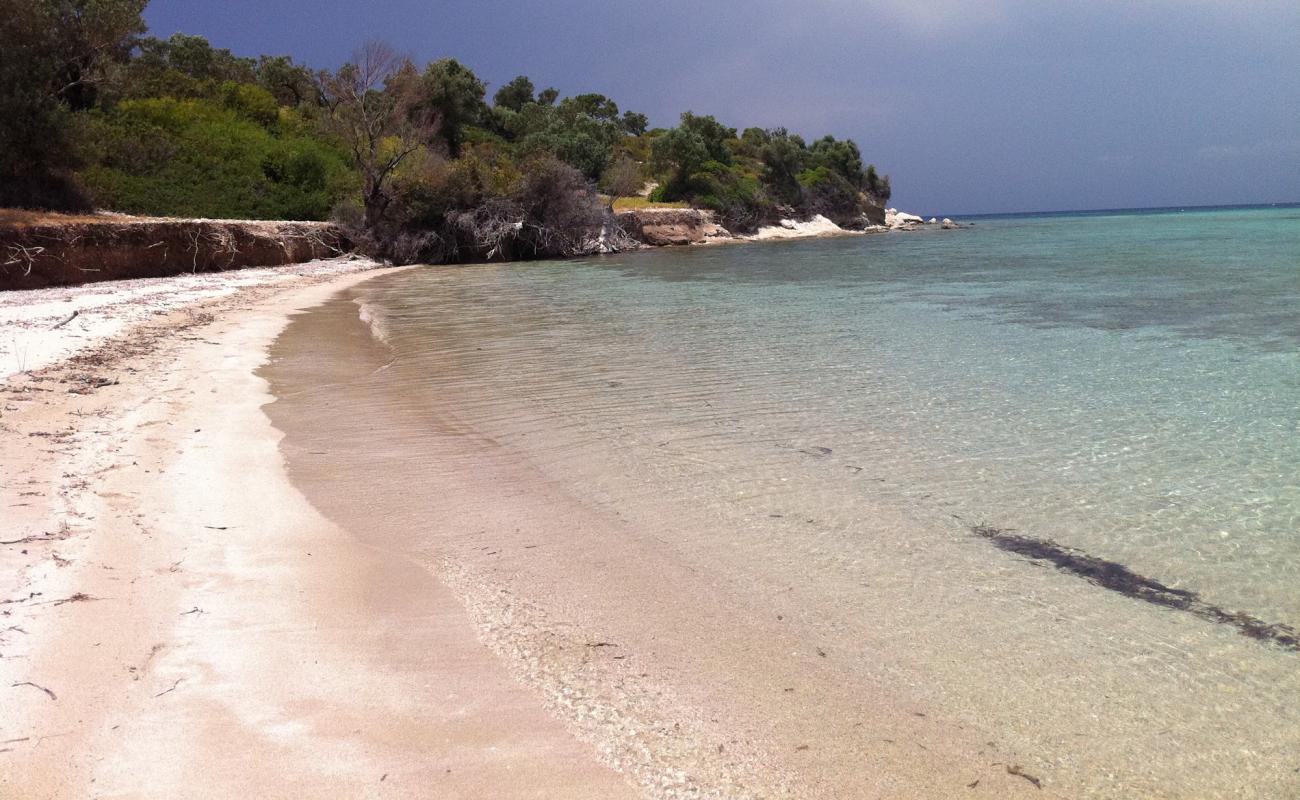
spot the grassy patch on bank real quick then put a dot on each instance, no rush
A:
(637, 203)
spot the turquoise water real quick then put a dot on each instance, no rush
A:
(1127, 385)
(818, 431)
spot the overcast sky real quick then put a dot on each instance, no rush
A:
(971, 107)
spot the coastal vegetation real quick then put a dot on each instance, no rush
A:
(419, 163)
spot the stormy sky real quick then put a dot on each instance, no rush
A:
(971, 107)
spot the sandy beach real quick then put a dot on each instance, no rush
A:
(339, 530)
(193, 606)
(177, 621)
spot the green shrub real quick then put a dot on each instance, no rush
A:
(197, 158)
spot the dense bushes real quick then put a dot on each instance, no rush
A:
(200, 158)
(484, 205)
(764, 175)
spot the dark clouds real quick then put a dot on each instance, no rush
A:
(971, 107)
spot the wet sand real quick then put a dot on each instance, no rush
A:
(688, 683)
(178, 621)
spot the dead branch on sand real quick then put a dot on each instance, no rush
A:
(66, 321)
(52, 695)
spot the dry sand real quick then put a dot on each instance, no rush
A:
(176, 620)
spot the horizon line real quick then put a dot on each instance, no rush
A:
(1180, 207)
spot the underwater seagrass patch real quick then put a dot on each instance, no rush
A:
(1118, 578)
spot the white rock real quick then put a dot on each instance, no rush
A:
(793, 229)
(898, 219)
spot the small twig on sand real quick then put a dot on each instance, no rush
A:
(169, 691)
(66, 321)
(1014, 769)
(44, 537)
(52, 695)
(79, 597)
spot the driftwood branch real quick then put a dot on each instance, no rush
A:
(66, 321)
(52, 695)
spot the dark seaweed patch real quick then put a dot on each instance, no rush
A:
(1119, 578)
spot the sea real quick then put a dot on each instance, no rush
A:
(1040, 473)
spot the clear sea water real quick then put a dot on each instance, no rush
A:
(1125, 385)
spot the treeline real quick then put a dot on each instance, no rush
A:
(417, 161)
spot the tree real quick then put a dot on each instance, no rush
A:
(581, 141)
(53, 54)
(714, 134)
(197, 58)
(754, 140)
(784, 157)
(597, 106)
(622, 179)
(635, 124)
(292, 84)
(454, 94)
(548, 96)
(680, 152)
(515, 94)
(87, 35)
(377, 108)
(685, 150)
(583, 131)
(842, 157)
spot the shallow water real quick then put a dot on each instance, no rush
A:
(1128, 385)
(842, 413)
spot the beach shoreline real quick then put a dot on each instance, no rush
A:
(178, 621)
(314, 531)
(185, 616)
(689, 682)
(727, 603)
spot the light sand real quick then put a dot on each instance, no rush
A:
(42, 327)
(177, 621)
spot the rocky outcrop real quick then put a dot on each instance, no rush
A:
(900, 220)
(873, 214)
(659, 227)
(56, 253)
(796, 229)
(897, 220)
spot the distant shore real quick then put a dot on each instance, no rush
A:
(39, 250)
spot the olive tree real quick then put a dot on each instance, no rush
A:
(376, 106)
